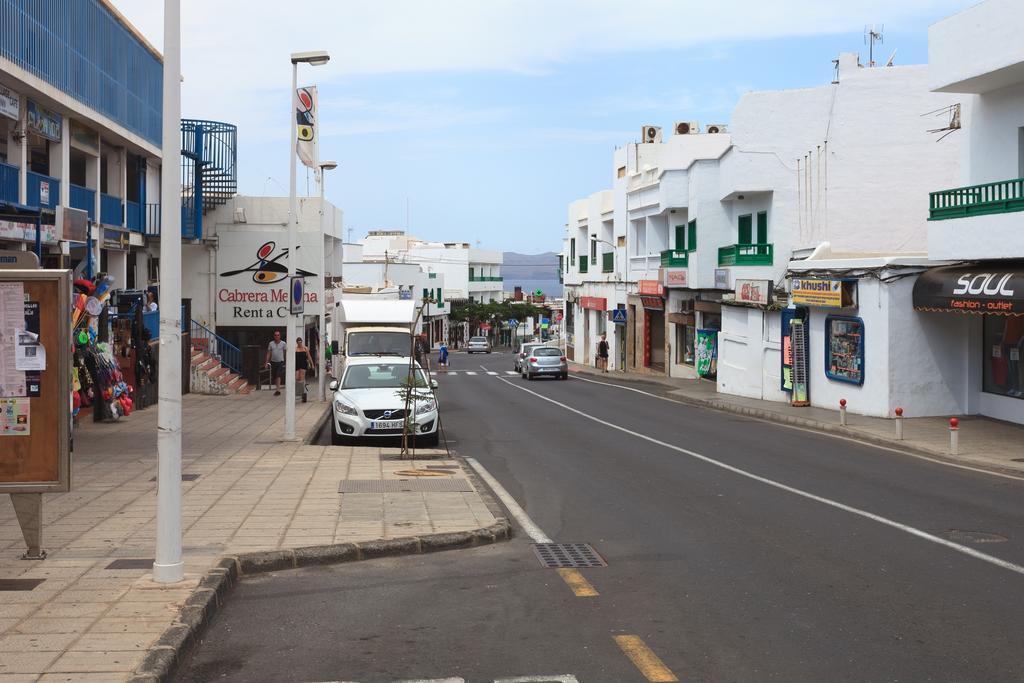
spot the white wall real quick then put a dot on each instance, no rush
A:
(979, 49)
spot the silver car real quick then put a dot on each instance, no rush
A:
(478, 345)
(545, 360)
(525, 349)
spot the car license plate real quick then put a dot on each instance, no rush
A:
(386, 424)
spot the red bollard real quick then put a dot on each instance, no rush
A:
(842, 412)
(899, 423)
(954, 436)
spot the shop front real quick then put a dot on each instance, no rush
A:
(646, 341)
(991, 296)
(593, 310)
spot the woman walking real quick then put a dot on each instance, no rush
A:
(303, 361)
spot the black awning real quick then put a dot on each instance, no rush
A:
(991, 288)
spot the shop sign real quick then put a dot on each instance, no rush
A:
(594, 303)
(252, 276)
(115, 239)
(10, 103)
(675, 278)
(44, 192)
(651, 287)
(823, 293)
(653, 303)
(721, 278)
(75, 224)
(84, 139)
(44, 122)
(15, 230)
(753, 291)
(970, 289)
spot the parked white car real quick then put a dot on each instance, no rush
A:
(369, 401)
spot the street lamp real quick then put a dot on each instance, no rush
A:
(322, 363)
(314, 58)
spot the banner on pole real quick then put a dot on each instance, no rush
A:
(308, 143)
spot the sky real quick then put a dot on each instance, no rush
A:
(481, 120)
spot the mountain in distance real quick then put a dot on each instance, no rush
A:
(530, 267)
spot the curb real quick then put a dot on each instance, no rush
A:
(816, 425)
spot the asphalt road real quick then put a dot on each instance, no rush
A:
(737, 550)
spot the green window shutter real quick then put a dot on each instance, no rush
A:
(745, 229)
(691, 235)
(593, 252)
(762, 227)
(572, 250)
(680, 237)
(471, 272)
(426, 293)
(440, 301)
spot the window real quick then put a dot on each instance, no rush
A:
(621, 241)
(593, 252)
(620, 172)
(691, 235)
(1003, 372)
(426, 293)
(686, 334)
(762, 227)
(745, 235)
(844, 349)
(572, 250)
(680, 238)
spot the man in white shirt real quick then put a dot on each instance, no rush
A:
(275, 360)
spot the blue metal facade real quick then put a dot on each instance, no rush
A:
(80, 48)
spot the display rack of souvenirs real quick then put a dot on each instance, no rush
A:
(96, 377)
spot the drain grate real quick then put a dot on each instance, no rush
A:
(569, 555)
(19, 584)
(959, 536)
(428, 485)
(184, 477)
(133, 563)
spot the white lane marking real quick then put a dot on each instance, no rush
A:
(562, 678)
(971, 552)
(491, 372)
(518, 513)
(511, 372)
(469, 372)
(811, 430)
(432, 680)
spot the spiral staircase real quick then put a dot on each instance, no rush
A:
(209, 171)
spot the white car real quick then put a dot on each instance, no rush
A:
(369, 401)
(478, 345)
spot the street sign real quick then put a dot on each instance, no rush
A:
(619, 316)
(298, 296)
(513, 322)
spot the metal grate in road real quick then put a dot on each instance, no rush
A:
(19, 584)
(404, 486)
(131, 563)
(568, 555)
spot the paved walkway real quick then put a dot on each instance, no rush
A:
(87, 621)
(986, 443)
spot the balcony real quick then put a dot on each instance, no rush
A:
(677, 258)
(133, 213)
(152, 227)
(83, 198)
(746, 255)
(584, 261)
(608, 262)
(486, 278)
(110, 210)
(978, 200)
(43, 191)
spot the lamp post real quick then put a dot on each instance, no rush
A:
(315, 58)
(168, 566)
(322, 362)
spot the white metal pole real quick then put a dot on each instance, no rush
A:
(289, 359)
(322, 359)
(168, 566)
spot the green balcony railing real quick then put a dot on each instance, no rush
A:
(745, 255)
(486, 278)
(675, 258)
(583, 264)
(1005, 196)
(608, 262)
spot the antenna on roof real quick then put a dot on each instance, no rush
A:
(872, 36)
(891, 58)
(953, 112)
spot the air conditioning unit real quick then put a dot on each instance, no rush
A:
(651, 134)
(717, 128)
(687, 128)
(686, 306)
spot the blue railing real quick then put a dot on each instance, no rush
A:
(110, 210)
(83, 198)
(8, 183)
(83, 49)
(205, 339)
(36, 195)
(133, 216)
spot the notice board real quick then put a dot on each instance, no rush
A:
(35, 367)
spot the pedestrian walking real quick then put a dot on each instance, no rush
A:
(602, 353)
(303, 362)
(275, 360)
(442, 357)
(151, 305)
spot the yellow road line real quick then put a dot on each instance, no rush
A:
(579, 585)
(643, 658)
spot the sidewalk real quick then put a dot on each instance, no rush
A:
(262, 503)
(984, 443)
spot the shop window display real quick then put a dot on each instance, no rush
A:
(1004, 351)
(844, 349)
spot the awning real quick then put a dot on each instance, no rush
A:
(985, 288)
(653, 303)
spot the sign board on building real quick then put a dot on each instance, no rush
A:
(74, 224)
(618, 316)
(721, 278)
(650, 288)
(84, 139)
(44, 122)
(971, 289)
(823, 293)
(10, 103)
(19, 230)
(252, 276)
(593, 303)
(753, 291)
(653, 303)
(115, 239)
(44, 192)
(675, 277)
